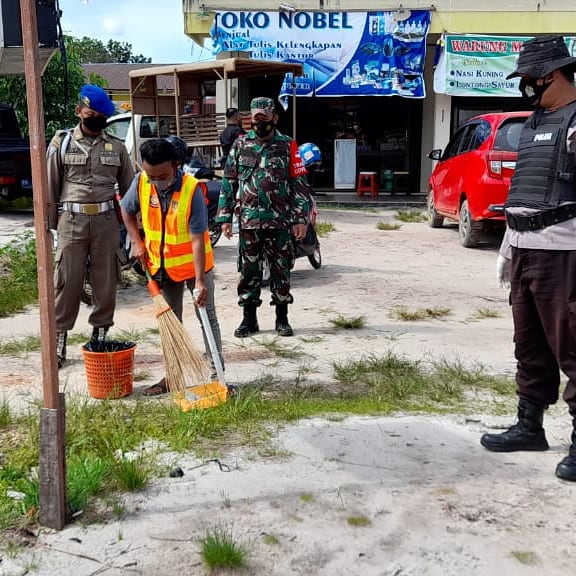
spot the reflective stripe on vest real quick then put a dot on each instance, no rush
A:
(167, 238)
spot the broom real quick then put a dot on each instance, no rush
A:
(185, 364)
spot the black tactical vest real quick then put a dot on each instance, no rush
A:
(544, 175)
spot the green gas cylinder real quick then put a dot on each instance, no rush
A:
(387, 180)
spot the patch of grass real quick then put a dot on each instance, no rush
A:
(407, 315)
(411, 216)
(85, 479)
(323, 229)
(132, 474)
(352, 323)
(388, 225)
(98, 431)
(525, 557)
(311, 339)
(21, 203)
(307, 497)
(271, 540)
(483, 313)
(398, 383)
(20, 347)
(219, 549)
(358, 521)
(18, 275)
(141, 375)
(280, 350)
(5, 415)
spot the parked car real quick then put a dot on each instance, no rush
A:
(15, 164)
(127, 126)
(472, 177)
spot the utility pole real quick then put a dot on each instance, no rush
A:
(53, 509)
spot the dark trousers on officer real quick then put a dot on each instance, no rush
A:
(543, 298)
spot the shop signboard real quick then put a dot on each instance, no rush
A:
(343, 53)
(471, 65)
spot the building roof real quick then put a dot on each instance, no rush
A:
(117, 75)
(218, 69)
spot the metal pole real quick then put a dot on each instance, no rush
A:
(293, 105)
(52, 443)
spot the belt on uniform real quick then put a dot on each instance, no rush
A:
(88, 208)
(541, 220)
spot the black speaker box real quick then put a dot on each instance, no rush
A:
(47, 15)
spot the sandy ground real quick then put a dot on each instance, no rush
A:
(438, 503)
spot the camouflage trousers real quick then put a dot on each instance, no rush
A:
(276, 247)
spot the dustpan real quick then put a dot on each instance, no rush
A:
(211, 394)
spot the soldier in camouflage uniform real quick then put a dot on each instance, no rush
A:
(265, 184)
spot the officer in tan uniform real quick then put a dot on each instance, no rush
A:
(84, 166)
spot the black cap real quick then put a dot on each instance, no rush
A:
(540, 56)
(231, 112)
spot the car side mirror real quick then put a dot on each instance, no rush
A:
(435, 154)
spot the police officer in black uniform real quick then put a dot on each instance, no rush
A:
(538, 254)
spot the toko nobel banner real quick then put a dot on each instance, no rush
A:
(343, 53)
(478, 65)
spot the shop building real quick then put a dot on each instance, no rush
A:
(392, 133)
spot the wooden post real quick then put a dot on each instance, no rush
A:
(52, 442)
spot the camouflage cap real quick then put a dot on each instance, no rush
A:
(262, 105)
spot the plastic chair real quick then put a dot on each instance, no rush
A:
(367, 182)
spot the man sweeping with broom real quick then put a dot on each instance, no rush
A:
(176, 247)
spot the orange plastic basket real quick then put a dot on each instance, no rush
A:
(110, 373)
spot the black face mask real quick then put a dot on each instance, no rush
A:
(531, 91)
(263, 128)
(94, 123)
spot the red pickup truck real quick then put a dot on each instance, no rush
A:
(15, 165)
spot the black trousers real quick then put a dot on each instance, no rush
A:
(543, 298)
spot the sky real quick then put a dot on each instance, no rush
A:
(155, 28)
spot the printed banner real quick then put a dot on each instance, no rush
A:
(478, 65)
(343, 53)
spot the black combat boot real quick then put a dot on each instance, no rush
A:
(282, 326)
(61, 338)
(527, 434)
(566, 469)
(249, 324)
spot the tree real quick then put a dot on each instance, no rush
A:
(92, 51)
(63, 79)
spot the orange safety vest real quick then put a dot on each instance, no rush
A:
(168, 238)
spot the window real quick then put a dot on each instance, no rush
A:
(149, 127)
(508, 135)
(481, 134)
(454, 144)
(119, 128)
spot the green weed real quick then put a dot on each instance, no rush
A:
(353, 323)
(219, 550)
(407, 315)
(388, 226)
(323, 229)
(358, 521)
(526, 557)
(18, 274)
(411, 216)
